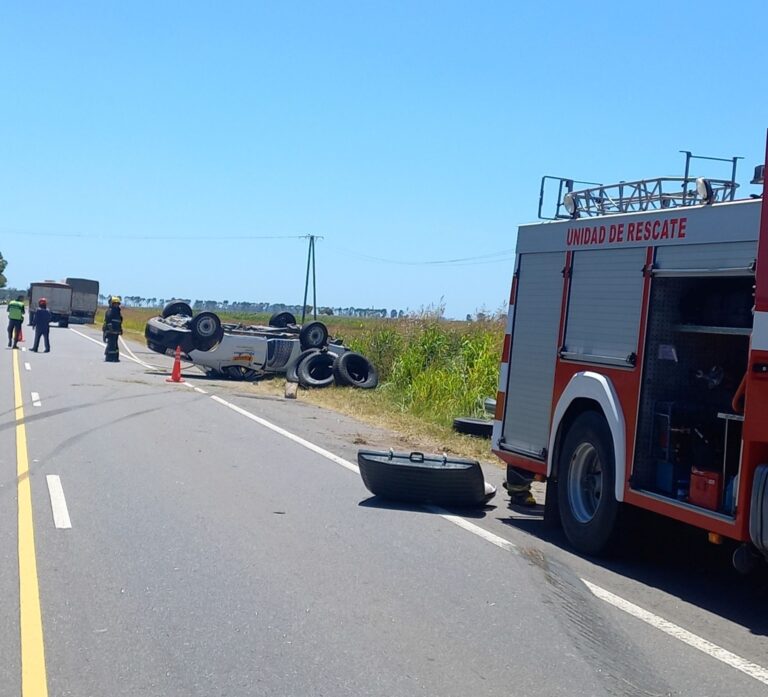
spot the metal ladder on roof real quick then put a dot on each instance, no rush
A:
(640, 195)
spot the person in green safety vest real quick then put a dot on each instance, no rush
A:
(15, 319)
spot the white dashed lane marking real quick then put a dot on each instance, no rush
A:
(36, 400)
(58, 502)
(27, 366)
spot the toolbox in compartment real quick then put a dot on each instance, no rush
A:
(706, 489)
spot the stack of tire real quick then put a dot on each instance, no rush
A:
(321, 365)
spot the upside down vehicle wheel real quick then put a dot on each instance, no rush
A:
(282, 319)
(313, 335)
(176, 307)
(586, 496)
(206, 331)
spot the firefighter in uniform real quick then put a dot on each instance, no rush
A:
(518, 485)
(113, 328)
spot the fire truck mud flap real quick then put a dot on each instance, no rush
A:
(758, 513)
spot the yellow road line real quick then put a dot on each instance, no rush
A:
(34, 682)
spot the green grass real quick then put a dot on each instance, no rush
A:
(433, 369)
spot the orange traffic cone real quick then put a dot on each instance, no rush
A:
(176, 372)
(21, 335)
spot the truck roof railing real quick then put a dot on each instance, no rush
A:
(635, 196)
(639, 195)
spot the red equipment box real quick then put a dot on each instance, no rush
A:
(706, 489)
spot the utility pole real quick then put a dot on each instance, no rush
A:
(310, 264)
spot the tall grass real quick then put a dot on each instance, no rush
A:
(434, 369)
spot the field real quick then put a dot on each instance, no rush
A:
(431, 370)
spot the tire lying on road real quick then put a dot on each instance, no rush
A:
(313, 335)
(291, 373)
(316, 370)
(473, 427)
(282, 319)
(206, 330)
(356, 370)
(176, 307)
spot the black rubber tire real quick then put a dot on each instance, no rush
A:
(599, 533)
(63, 323)
(316, 370)
(240, 372)
(176, 307)
(313, 335)
(482, 428)
(355, 370)
(206, 331)
(282, 319)
(291, 374)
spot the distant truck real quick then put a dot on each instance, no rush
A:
(85, 298)
(59, 297)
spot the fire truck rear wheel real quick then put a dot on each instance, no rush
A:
(588, 507)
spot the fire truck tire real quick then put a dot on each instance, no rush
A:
(589, 511)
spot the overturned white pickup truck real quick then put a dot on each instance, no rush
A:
(305, 354)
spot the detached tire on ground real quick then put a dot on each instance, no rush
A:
(291, 374)
(176, 307)
(482, 428)
(586, 497)
(206, 330)
(313, 335)
(316, 370)
(355, 370)
(282, 319)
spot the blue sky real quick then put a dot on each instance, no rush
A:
(150, 145)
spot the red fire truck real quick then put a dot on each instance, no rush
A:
(635, 362)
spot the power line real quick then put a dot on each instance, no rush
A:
(490, 258)
(183, 238)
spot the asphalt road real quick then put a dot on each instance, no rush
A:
(210, 553)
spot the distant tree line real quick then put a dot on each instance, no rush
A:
(254, 307)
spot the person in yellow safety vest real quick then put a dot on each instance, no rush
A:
(15, 319)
